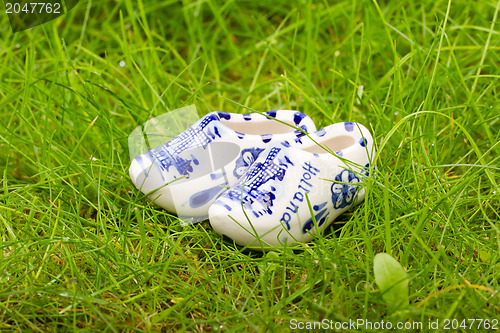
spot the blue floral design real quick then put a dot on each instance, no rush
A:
(246, 159)
(344, 194)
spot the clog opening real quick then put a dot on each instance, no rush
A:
(260, 126)
(335, 144)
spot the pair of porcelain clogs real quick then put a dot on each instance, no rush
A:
(263, 179)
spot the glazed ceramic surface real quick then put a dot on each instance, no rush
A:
(268, 206)
(187, 174)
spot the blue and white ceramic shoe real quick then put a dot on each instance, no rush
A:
(268, 206)
(187, 174)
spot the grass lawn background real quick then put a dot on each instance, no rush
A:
(82, 248)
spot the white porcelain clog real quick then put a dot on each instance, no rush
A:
(268, 206)
(187, 174)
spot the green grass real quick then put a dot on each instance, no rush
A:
(82, 248)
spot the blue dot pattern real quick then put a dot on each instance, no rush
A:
(349, 127)
(363, 142)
